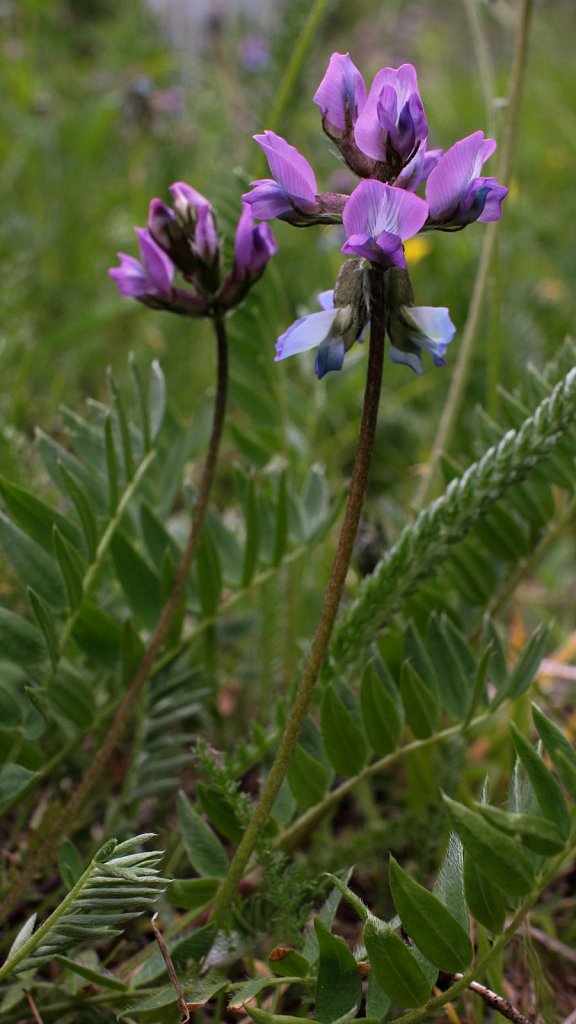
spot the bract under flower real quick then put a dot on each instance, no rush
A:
(455, 192)
(378, 218)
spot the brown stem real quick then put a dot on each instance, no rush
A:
(33, 1007)
(494, 1001)
(299, 710)
(71, 809)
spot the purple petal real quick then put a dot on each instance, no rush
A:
(417, 170)
(184, 196)
(393, 114)
(449, 181)
(130, 277)
(429, 326)
(290, 169)
(206, 234)
(341, 93)
(243, 243)
(305, 333)
(375, 207)
(159, 267)
(160, 217)
(267, 199)
(493, 201)
(386, 249)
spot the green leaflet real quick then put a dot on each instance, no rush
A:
(538, 834)
(338, 987)
(31, 564)
(307, 777)
(420, 705)
(558, 748)
(486, 901)
(14, 778)
(397, 971)
(192, 893)
(548, 792)
(439, 936)
(380, 713)
(344, 742)
(203, 848)
(494, 853)
(20, 641)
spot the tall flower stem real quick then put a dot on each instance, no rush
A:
(73, 807)
(299, 710)
(460, 378)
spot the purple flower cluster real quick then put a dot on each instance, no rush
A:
(382, 135)
(185, 238)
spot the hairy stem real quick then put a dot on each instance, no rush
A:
(72, 808)
(459, 381)
(299, 710)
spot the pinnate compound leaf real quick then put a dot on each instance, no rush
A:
(439, 936)
(338, 988)
(487, 902)
(494, 853)
(382, 720)
(344, 741)
(396, 969)
(558, 748)
(117, 886)
(203, 848)
(547, 790)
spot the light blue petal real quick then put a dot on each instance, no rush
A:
(411, 359)
(305, 333)
(432, 325)
(326, 299)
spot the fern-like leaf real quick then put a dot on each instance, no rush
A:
(116, 887)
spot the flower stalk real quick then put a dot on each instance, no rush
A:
(334, 590)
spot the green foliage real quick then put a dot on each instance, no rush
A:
(116, 887)
(422, 673)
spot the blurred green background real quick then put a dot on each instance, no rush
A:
(105, 104)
